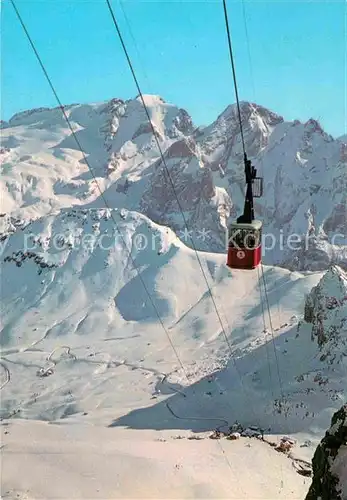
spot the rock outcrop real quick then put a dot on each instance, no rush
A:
(329, 462)
(326, 310)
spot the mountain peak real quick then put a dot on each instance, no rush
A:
(150, 99)
(250, 109)
(303, 188)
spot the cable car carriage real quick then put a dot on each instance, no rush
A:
(244, 235)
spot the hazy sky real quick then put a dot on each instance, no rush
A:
(297, 63)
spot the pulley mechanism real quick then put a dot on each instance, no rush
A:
(254, 189)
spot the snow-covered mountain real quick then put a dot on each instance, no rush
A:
(108, 322)
(304, 204)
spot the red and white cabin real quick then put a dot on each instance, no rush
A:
(244, 245)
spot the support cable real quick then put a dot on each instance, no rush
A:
(234, 76)
(99, 189)
(272, 333)
(264, 326)
(121, 3)
(174, 191)
(166, 169)
(106, 203)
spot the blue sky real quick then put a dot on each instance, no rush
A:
(296, 64)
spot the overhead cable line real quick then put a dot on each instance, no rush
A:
(166, 168)
(272, 333)
(180, 208)
(175, 194)
(248, 45)
(121, 3)
(245, 160)
(264, 326)
(98, 186)
(234, 75)
(276, 357)
(105, 201)
(244, 149)
(261, 160)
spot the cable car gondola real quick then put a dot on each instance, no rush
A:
(244, 235)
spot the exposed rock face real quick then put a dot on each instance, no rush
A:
(329, 462)
(304, 170)
(183, 123)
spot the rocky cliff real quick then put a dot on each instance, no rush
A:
(329, 480)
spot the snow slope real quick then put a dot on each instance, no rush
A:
(82, 347)
(81, 342)
(61, 288)
(80, 461)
